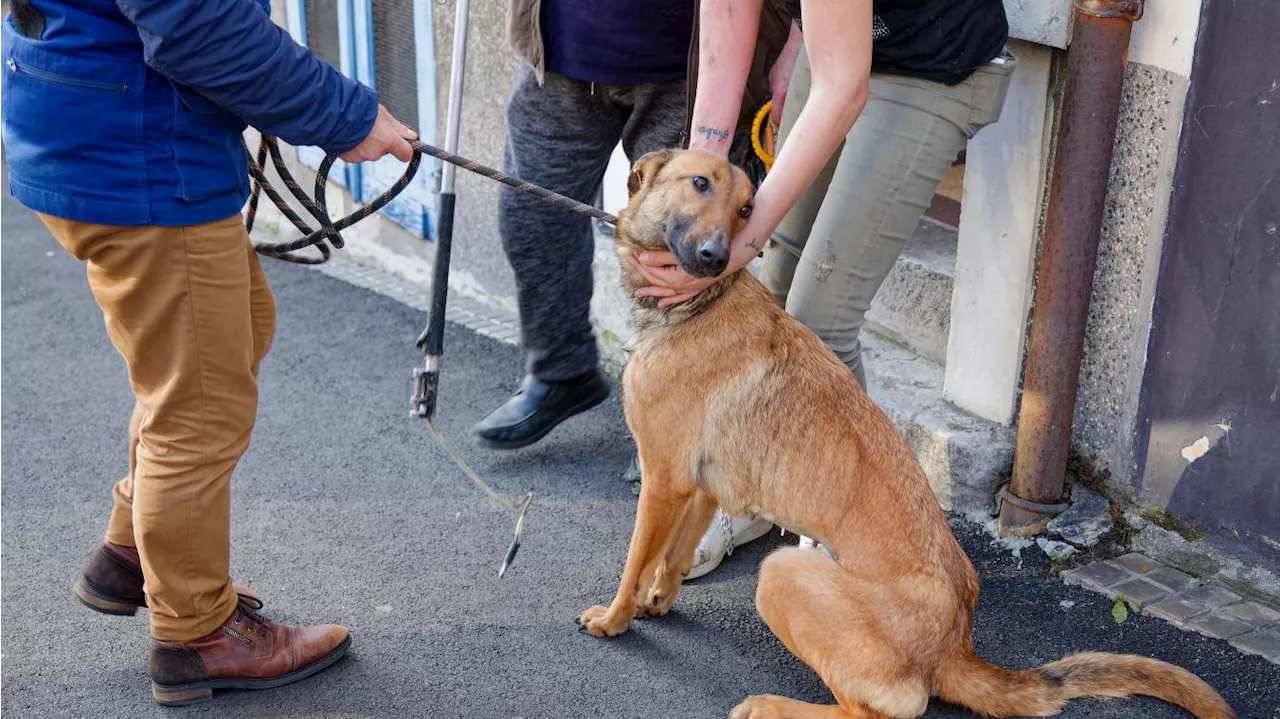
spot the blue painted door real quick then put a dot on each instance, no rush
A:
(395, 54)
(325, 27)
(388, 45)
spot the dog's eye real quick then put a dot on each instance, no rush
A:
(701, 184)
(745, 211)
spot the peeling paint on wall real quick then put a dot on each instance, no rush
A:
(1196, 449)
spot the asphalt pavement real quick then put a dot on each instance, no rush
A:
(344, 510)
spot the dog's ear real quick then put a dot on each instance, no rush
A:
(645, 169)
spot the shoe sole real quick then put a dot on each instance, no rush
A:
(104, 603)
(533, 439)
(184, 694)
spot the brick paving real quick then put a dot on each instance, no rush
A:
(1185, 601)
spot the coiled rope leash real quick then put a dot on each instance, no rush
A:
(330, 231)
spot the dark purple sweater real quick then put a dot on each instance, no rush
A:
(625, 42)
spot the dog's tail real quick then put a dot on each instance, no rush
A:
(998, 692)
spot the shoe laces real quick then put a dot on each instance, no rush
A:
(726, 523)
(247, 613)
(720, 521)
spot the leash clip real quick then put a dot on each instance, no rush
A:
(426, 381)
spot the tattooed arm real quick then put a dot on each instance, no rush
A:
(837, 40)
(727, 41)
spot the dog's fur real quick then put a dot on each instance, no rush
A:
(732, 401)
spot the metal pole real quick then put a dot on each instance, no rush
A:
(457, 67)
(1068, 257)
(431, 341)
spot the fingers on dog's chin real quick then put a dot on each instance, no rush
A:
(650, 259)
(654, 292)
(648, 276)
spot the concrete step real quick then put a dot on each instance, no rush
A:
(913, 306)
(965, 457)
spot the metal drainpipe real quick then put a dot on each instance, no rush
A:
(1096, 62)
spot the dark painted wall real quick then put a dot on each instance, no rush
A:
(1214, 355)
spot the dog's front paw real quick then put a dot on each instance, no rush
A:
(761, 706)
(598, 622)
(661, 596)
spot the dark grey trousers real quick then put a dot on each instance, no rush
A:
(560, 136)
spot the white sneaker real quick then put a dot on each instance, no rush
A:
(725, 535)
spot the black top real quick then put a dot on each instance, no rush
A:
(939, 40)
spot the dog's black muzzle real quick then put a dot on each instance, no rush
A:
(701, 257)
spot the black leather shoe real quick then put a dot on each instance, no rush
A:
(537, 407)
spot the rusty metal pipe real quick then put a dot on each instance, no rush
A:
(1096, 62)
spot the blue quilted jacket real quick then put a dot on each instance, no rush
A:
(130, 112)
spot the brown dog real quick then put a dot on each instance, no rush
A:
(732, 401)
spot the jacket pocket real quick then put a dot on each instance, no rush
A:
(208, 153)
(73, 129)
(67, 80)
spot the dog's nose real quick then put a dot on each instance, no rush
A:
(713, 255)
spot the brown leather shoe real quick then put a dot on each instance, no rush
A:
(111, 582)
(248, 651)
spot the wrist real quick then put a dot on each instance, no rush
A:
(742, 254)
(712, 138)
(365, 109)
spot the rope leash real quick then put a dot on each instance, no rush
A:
(329, 231)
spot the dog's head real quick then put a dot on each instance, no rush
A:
(690, 202)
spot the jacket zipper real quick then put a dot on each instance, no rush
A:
(61, 80)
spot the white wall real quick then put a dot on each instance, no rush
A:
(1165, 37)
(1044, 22)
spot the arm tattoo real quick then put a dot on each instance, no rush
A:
(713, 133)
(755, 245)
